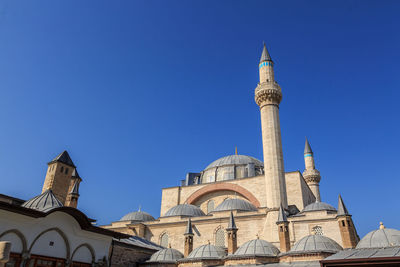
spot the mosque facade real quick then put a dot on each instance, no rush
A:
(266, 203)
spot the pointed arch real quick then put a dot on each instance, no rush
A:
(164, 239)
(221, 187)
(219, 236)
(89, 247)
(61, 233)
(19, 235)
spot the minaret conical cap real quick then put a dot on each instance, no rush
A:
(282, 215)
(189, 229)
(342, 210)
(265, 55)
(307, 148)
(231, 224)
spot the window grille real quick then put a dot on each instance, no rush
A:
(164, 240)
(220, 238)
(317, 230)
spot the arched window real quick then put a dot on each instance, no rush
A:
(220, 238)
(164, 240)
(317, 230)
(210, 206)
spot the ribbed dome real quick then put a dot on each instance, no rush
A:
(44, 202)
(139, 216)
(167, 255)
(380, 238)
(235, 204)
(318, 206)
(184, 210)
(234, 160)
(207, 252)
(315, 243)
(257, 247)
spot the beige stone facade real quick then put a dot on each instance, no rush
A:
(261, 190)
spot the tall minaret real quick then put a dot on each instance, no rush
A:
(310, 174)
(268, 95)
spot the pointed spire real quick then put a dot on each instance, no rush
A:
(342, 210)
(282, 215)
(232, 224)
(189, 230)
(381, 226)
(63, 157)
(307, 148)
(265, 55)
(75, 189)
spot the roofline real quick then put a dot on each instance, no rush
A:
(84, 222)
(363, 261)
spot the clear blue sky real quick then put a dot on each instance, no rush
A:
(142, 92)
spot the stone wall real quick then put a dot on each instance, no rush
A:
(129, 256)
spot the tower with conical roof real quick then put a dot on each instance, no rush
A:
(232, 235)
(348, 231)
(310, 174)
(283, 228)
(59, 177)
(268, 95)
(188, 247)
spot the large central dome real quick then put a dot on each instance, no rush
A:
(234, 160)
(232, 167)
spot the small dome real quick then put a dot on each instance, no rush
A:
(167, 255)
(234, 160)
(315, 243)
(316, 206)
(207, 252)
(235, 204)
(381, 238)
(184, 210)
(44, 202)
(139, 216)
(257, 247)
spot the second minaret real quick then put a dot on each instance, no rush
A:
(268, 95)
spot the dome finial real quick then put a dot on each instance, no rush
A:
(236, 150)
(169, 245)
(140, 208)
(381, 226)
(257, 236)
(208, 241)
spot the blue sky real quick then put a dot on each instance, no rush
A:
(142, 92)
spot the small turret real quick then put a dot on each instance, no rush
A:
(59, 175)
(283, 228)
(347, 229)
(232, 234)
(310, 174)
(188, 238)
(73, 195)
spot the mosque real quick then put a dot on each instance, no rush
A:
(238, 211)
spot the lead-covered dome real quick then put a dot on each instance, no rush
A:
(139, 216)
(184, 210)
(381, 238)
(317, 206)
(167, 255)
(315, 243)
(207, 252)
(43, 202)
(235, 204)
(257, 247)
(232, 167)
(234, 160)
